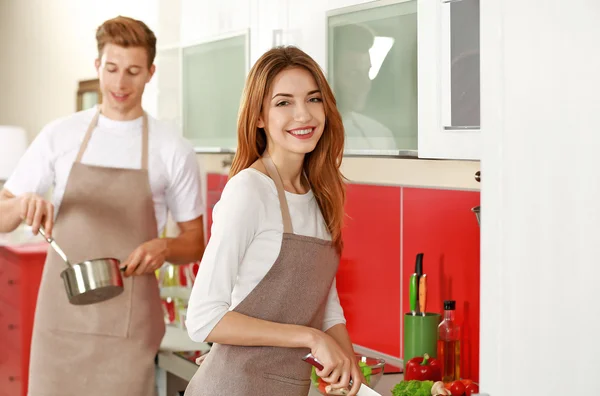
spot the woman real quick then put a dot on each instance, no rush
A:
(265, 293)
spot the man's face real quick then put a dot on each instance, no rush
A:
(352, 83)
(123, 74)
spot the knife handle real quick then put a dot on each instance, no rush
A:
(309, 358)
(423, 293)
(412, 290)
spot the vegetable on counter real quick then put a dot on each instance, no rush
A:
(471, 389)
(413, 388)
(438, 389)
(326, 389)
(423, 368)
(464, 387)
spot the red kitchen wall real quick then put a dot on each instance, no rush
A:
(386, 226)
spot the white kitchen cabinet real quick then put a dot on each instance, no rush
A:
(448, 82)
(269, 20)
(206, 20)
(435, 86)
(307, 27)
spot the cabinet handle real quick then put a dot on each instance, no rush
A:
(478, 176)
(13, 378)
(12, 282)
(12, 327)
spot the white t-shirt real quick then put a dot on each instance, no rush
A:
(172, 166)
(245, 241)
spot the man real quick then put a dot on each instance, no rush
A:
(115, 172)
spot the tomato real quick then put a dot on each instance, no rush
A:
(457, 388)
(471, 389)
(322, 385)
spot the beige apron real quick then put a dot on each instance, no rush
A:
(108, 348)
(294, 291)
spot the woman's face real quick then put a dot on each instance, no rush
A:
(293, 115)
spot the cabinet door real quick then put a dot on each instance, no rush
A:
(307, 25)
(11, 379)
(10, 279)
(269, 20)
(205, 20)
(448, 82)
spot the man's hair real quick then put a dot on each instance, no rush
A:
(127, 32)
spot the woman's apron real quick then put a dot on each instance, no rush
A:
(294, 291)
(107, 348)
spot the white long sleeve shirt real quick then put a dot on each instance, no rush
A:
(245, 241)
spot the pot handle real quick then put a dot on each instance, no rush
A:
(55, 246)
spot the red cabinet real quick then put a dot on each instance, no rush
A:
(20, 275)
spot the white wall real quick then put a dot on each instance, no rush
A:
(540, 311)
(46, 47)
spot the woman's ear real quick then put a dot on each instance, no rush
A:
(261, 123)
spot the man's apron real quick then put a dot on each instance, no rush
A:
(107, 348)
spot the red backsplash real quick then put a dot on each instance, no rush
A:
(385, 229)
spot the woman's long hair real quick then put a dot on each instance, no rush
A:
(322, 165)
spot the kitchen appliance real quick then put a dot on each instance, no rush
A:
(91, 281)
(364, 389)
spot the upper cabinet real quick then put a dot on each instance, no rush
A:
(405, 72)
(449, 79)
(372, 67)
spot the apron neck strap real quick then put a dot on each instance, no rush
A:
(93, 125)
(274, 174)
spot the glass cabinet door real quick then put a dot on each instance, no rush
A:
(449, 79)
(460, 74)
(372, 67)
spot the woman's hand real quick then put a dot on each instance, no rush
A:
(35, 211)
(338, 366)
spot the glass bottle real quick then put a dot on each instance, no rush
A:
(449, 343)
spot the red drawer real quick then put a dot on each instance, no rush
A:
(10, 325)
(11, 381)
(9, 282)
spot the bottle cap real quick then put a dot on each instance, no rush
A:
(449, 305)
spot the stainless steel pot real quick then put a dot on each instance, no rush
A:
(90, 281)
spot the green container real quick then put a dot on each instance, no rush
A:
(420, 335)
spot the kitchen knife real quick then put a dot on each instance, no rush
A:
(364, 390)
(412, 294)
(419, 265)
(423, 294)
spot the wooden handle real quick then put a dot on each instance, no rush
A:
(423, 293)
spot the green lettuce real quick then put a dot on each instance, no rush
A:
(413, 388)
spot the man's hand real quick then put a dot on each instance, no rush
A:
(36, 211)
(147, 258)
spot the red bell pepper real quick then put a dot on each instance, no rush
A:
(423, 368)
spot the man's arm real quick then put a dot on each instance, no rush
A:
(187, 247)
